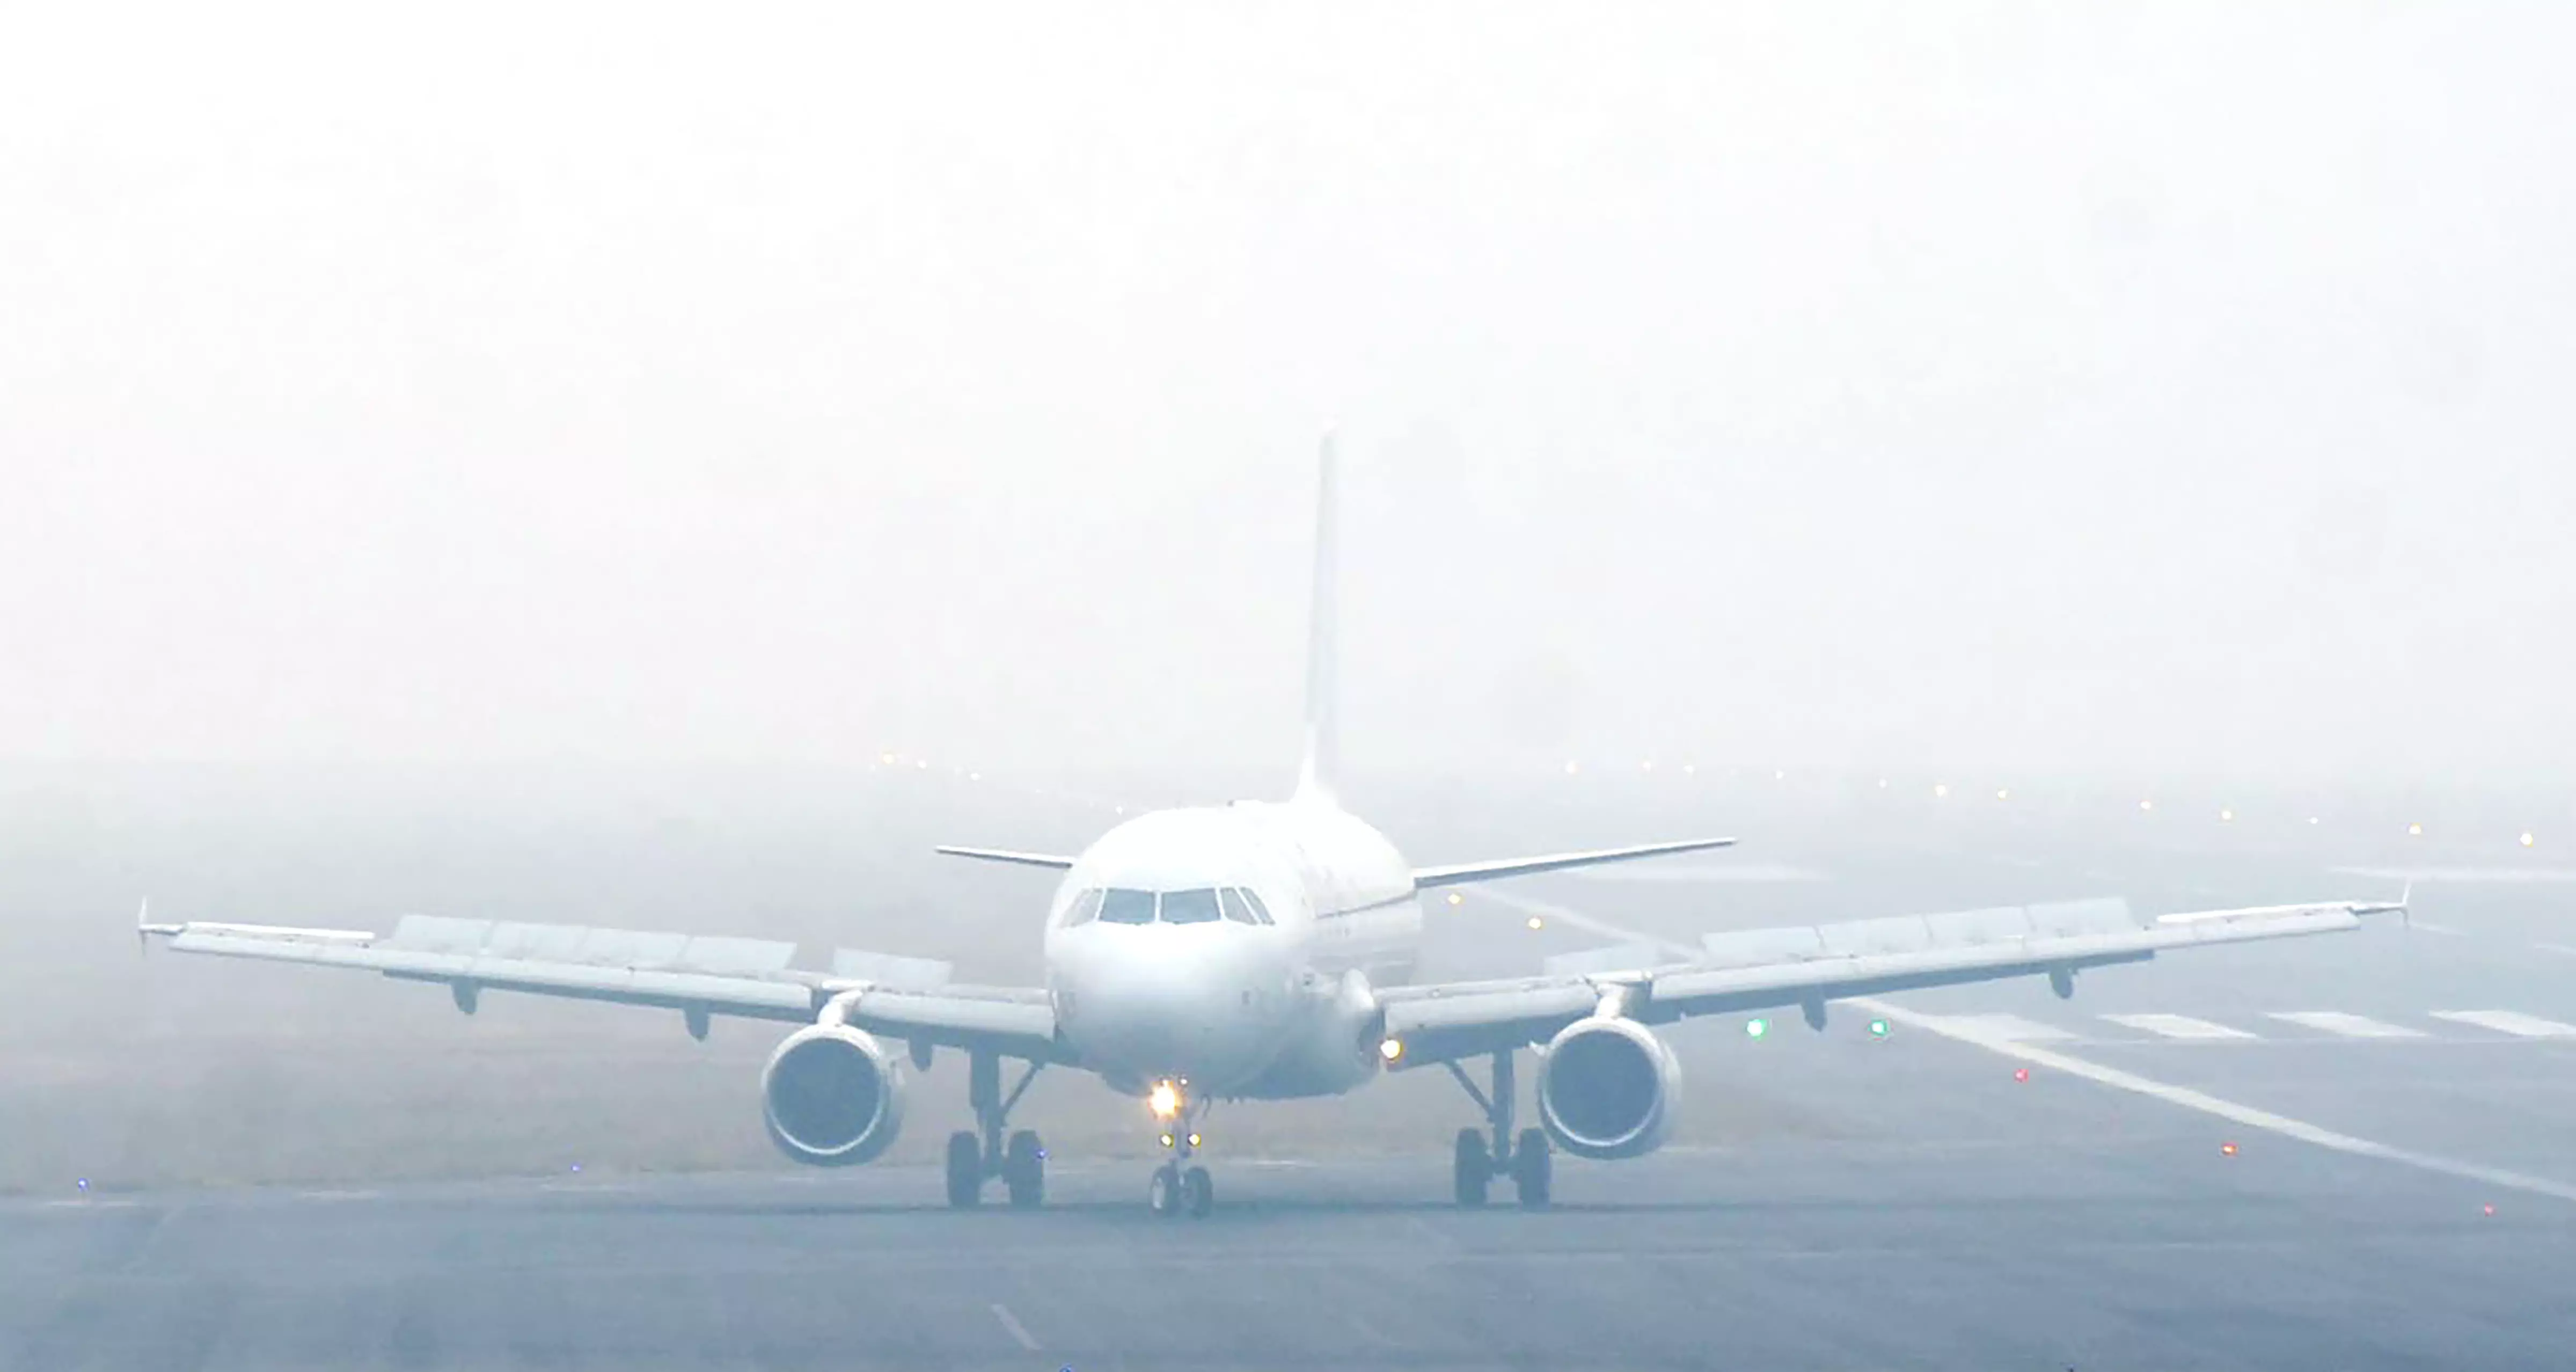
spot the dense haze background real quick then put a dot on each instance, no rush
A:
(2028, 385)
(667, 467)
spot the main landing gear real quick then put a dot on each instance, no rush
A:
(1179, 1185)
(977, 1155)
(1525, 1159)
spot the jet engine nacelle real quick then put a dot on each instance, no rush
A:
(1607, 1088)
(831, 1096)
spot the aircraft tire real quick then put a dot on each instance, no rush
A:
(1024, 1169)
(965, 1171)
(1474, 1170)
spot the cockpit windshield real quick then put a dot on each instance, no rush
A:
(1127, 907)
(1191, 907)
(1202, 905)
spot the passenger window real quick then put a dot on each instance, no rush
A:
(1127, 907)
(1260, 912)
(1235, 909)
(1190, 907)
(1083, 909)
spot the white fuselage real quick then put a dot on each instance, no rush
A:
(1260, 997)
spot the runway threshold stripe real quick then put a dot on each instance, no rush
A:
(2178, 1026)
(2247, 1115)
(1012, 1326)
(2184, 1096)
(2510, 1022)
(2350, 1026)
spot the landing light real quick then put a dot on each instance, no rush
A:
(1167, 1140)
(1194, 1140)
(2003, 795)
(1390, 1049)
(1536, 923)
(2227, 816)
(1164, 1101)
(2414, 831)
(2146, 805)
(1457, 899)
(1756, 1027)
(1940, 789)
(2526, 838)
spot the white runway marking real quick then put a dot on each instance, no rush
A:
(2179, 1026)
(2350, 1026)
(2510, 1022)
(2008, 1028)
(1012, 1326)
(2183, 1096)
(2246, 1115)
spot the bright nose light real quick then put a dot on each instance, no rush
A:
(1390, 1049)
(1164, 1100)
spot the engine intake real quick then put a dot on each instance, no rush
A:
(831, 1096)
(1607, 1088)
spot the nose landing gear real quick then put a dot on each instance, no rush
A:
(1526, 1160)
(1176, 1188)
(975, 1156)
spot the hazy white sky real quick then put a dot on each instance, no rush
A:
(2035, 383)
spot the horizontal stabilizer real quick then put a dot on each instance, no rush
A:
(1005, 855)
(1522, 866)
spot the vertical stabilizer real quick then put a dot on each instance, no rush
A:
(1315, 775)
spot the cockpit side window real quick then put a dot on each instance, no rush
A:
(1252, 901)
(1126, 907)
(1083, 908)
(1240, 907)
(1190, 907)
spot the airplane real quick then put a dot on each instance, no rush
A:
(1259, 950)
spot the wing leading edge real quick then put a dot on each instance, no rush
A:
(1809, 965)
(700, 976)
(1553, 862)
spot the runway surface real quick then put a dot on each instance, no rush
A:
(2351, 1152)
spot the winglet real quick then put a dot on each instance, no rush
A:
(2402, 907)
(144, 928)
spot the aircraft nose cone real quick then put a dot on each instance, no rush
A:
(1156, 1002)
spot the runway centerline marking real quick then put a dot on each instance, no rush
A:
(2249, 1116)
(1012, 1326)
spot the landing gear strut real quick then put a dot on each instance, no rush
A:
(1179, 1185)
(977, 1155)
(1526, 1159)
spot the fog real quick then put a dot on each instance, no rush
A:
(665, 469)
(1874, 386)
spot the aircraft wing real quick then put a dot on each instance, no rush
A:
(1808, 965)
(700, 976)
(1054, 860)
(1551, 862)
